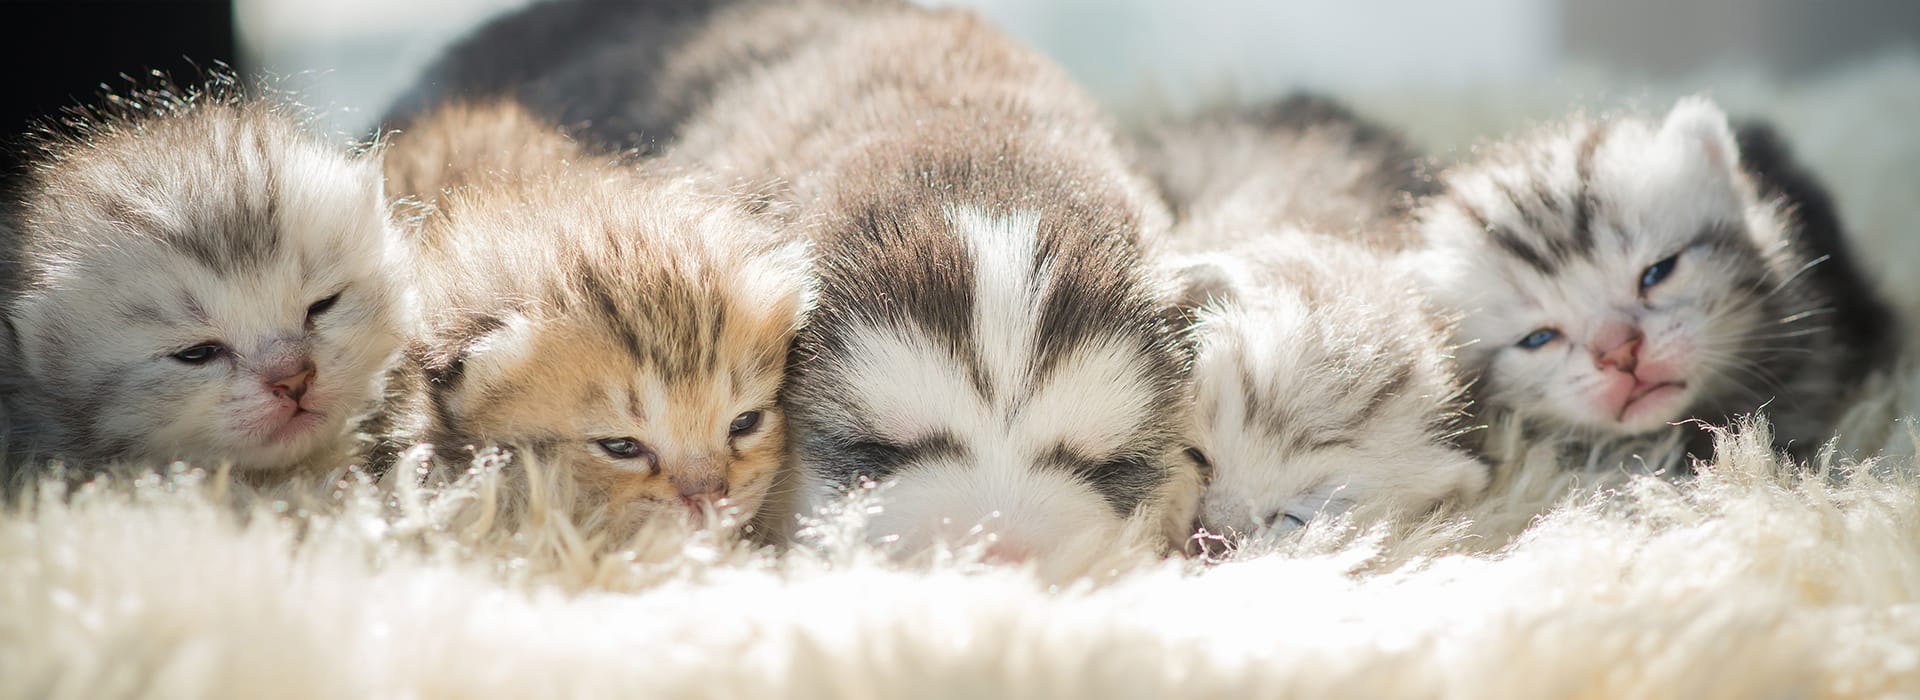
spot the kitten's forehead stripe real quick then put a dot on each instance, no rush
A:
(1583, 199)
(1532, 220)
(610, 313)
(1396, 383)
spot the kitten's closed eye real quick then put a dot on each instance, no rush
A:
(321, 306)
(1658, 272)
(1200, 460)
(201, 354)
(1538, 338)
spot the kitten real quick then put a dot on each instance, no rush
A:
(1620, 275)
(192, 275)
(1302, 161)
(1323, 384)
(986, 342)
(625, 328)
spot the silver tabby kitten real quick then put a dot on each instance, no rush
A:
(193, 275)
(1324, 385)
(1620, 275)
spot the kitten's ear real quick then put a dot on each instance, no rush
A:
(1196, 282)
(1700, 127)
(476, 351)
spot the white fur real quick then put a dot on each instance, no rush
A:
(1747, 583)
(1660, 184)
(911, 387)
(1317, 359)
(93, 269)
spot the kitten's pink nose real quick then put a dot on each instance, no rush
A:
(1624, 356)
(292, 380)
(701, 483)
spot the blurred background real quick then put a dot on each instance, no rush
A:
(350, 57)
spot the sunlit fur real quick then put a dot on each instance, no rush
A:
(1556, 229)
(1323, 383)
(171, 219)
(986, 341)
(583, 300)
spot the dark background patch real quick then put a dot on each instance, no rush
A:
(60, 52)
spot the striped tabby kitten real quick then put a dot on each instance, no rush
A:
(192, 275)
(1323, 384)
(1620, 275)
(627, 329)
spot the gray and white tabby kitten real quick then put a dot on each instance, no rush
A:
(1324, 384)
(1618, 275)
(193, 275)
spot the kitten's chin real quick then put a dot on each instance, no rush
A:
(298, 439)
(1650, 407)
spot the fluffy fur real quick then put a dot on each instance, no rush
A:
(625, 328)
(1618, 275)
(1324, 384)
(1304, 161)
(1752, 579)
(193, 275)
(986, 345)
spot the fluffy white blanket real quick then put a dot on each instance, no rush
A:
(1756, 579)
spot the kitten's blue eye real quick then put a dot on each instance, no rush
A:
(624, 448)
(743, 424)
(200, 354)
(1658, 272)
(1538, 338)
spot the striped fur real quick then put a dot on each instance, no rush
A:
(174, 218)
(572, 299)
(1323, 384)
(1557, 230)
(985, 340)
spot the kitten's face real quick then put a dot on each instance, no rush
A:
(218, 290)
(1618, 281)
(1008, 386)
(1304, 412)
(667, 408)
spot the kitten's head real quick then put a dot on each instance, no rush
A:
(1320, 388)
(626, 331)
(1617, 276)
(1005, 374)
(204, 281)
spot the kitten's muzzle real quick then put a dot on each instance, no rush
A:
(1618, 348)
(290, 380)
(699, 481)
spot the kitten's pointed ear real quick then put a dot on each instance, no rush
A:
(1196, 282)
(1699, 126)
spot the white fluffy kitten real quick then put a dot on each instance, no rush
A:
(192, 275)
(1620, 275)
(1324, 385)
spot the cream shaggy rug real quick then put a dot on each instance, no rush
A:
(1589, 579)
